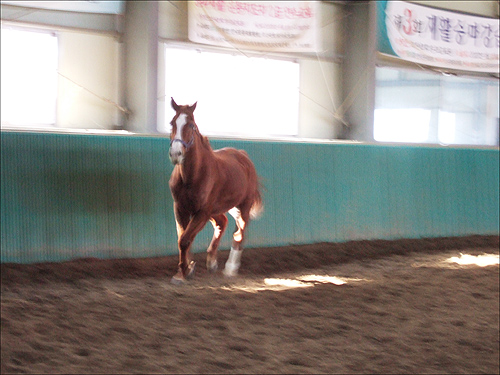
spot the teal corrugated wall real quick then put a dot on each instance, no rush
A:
(67, 196)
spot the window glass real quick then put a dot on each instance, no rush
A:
(28, 78)
(402, 125)
(236, 95)
(423, 107)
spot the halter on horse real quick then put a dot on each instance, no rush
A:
(205, 185)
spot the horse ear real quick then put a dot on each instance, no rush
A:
(193, 107)
(174, 105)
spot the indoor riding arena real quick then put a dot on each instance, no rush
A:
(377, 249)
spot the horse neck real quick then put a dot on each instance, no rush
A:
(197, 161)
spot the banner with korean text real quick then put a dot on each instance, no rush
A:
(438, 37)
(281, 26)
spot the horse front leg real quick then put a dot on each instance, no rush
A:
(181, 222)
(219, 223)
(186, 237)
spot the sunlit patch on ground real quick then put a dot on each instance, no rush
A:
(268, 284)
(304, 281)
(328, 279)
(478, 260)
(451, 260)
(286, 283)
(440, 261)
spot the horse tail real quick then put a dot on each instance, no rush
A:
(258, 204)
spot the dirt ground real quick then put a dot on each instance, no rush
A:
(398, 306)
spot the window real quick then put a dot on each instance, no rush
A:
(402, 125)
(236, 95)
(28, 78)
(424, 107)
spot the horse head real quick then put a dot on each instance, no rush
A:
(183, 132)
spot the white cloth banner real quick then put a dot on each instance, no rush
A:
(111, 7)
(281, 26)
(443, 38)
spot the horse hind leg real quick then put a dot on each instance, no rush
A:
(241, 217)
(219, 223)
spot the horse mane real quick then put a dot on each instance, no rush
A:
(204, 141)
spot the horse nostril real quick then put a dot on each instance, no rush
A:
(175, 156)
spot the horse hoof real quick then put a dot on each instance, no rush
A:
(230, 272)
(191, 270)
(231, 269)
(212, 266)
(177, 281)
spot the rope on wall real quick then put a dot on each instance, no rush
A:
(122, 109)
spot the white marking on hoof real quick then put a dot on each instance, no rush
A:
(233, 263)
(230, 270)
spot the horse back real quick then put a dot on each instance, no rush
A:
(230, 158)
(237, 172)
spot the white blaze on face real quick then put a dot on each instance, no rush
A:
(176, 148)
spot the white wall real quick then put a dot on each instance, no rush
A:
(141, 65)
(321, 95)
(173, 20)
(91, 64)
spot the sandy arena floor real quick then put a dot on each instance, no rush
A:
(406, 306)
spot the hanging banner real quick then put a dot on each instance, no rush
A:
(437, 37)
(281, 26)
(110, 7)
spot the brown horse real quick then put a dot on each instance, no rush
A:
(205, 185)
